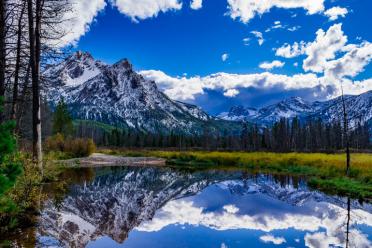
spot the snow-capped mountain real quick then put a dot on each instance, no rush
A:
(117, 95)
(238, 113)
(359, 109)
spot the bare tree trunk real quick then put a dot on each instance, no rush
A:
(2, 50)
(348, 223)
(17, 65)
(346, 133)
(34, 61)
(22, 99)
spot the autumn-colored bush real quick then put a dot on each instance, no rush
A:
(72, 147)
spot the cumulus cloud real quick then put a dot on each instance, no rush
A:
(140, 10)
(76, 22)
(324, 48)
(329, 54)
(352, 63)
(336, 12)
(224, 57)
(329, 60)
(291, 51)
(259, 37)
(271, 65)
(179, 88)
(271, 239)
(187, 88)
(196, 4)
(182, 88)
(245, 10)
(231, 92)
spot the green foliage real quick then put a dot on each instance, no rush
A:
(10, 167)
(69, 147)
(62, 120)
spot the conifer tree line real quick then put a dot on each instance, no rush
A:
(283, 136)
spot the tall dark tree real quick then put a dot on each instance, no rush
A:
(2, 50)
(34, 24)
(346, 131)
(62, 120)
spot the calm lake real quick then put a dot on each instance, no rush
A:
(162, 207)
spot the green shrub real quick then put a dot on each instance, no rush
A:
(10, 167)
(72, 147)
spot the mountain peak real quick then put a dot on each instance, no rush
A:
(81, 56)
(124, 63)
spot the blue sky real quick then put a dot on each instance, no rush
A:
(183, 49)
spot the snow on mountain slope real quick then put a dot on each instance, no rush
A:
(359, 110)
(238, 113)
(75, 70)
(119, 96)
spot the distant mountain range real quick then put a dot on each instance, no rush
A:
(359, 109)
(119, 96)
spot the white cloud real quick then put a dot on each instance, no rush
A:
(276, 25)
(324, 48)
(271, 65)
(196, 4)
(183, 88)
(245, 10)
(224, 57)
(291, 51)
(77, 20)
(232, 209)
(246, 41)
(294, 28)
(179, 88)
(259, 37)
(223, 245)
(335, 12)
(271, 239)
(143, 9)
(352, 63)
(231, 93)
(329, 55)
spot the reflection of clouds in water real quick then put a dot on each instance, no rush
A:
(325, 223)
(271, 239)
(324, 240)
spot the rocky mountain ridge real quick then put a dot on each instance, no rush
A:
(359, 110)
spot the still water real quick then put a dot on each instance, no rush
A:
(160, 207)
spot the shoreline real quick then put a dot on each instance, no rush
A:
(102, 160)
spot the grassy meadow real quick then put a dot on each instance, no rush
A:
(326, 172)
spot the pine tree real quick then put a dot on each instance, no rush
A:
(62, 120)
(9, 168)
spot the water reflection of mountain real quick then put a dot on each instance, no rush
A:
(119, 200)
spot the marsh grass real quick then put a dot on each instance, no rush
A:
(326, 172)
